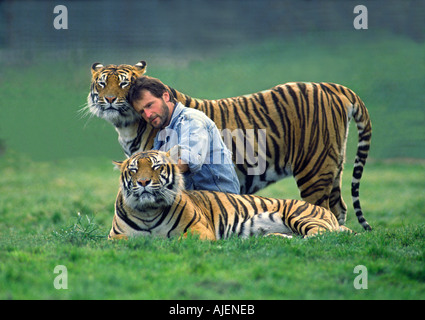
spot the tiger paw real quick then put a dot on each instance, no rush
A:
(282, 235)
(118, 237)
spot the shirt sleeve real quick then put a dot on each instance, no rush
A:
(194, 142)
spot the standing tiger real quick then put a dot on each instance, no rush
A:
(296, 128)
(152, 202)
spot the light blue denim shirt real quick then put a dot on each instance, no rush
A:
(202, 148)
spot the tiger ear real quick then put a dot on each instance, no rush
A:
(118, 164)
(141, 67)
(95, 67)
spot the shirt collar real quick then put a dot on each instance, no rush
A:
(178, 109)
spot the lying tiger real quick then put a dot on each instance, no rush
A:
(152, 202)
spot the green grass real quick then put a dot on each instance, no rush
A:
(41, 229)
(147, 268)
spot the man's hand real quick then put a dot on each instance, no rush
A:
(183, 167)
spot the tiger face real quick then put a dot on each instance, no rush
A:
(109, 89)
(149, 180)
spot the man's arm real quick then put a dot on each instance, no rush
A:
(194, 143)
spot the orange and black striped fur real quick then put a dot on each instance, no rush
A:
(297, 129)
(152, 202)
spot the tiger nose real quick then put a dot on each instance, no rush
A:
(143, 182)
(110, 99)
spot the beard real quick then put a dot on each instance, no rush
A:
(160, 121)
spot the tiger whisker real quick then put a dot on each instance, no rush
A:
(84, 112)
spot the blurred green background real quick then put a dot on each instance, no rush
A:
(207, 50)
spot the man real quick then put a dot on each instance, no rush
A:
(204, 159)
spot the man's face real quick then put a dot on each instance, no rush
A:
(154, 110)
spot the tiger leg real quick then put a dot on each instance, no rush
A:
(314, 232)
(202, 232)
(315, 189)
(277, 234)
(324, 188)
(336, 203)
(319, 229)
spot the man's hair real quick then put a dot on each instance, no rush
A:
(153, 85)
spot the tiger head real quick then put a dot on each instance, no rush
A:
(150, 179)
(108, 92)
